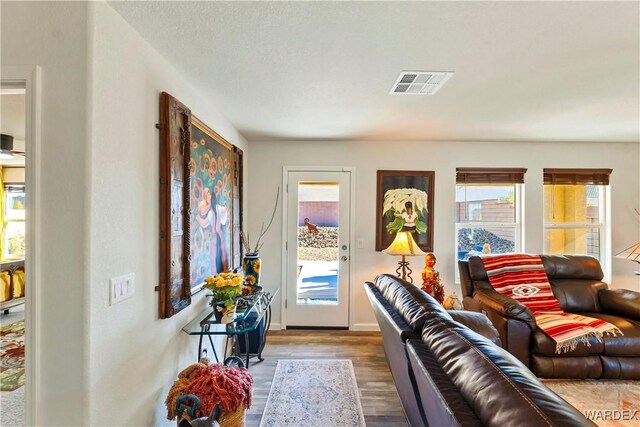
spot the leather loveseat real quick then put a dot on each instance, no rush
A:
(577, 283)
(447, 374)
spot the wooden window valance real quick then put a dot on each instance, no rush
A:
(577, 176)
(490, 175)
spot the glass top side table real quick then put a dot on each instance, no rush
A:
(251, 312)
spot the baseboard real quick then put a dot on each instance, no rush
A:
(356, 327)
(365, 327)
(275, 326)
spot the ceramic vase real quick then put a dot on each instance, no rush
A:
(222, 314)
(218, 309)
(251, 268)
(228, 316)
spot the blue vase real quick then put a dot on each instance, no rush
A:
(251, 268)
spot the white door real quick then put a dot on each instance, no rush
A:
(317, 248)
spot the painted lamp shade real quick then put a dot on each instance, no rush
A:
(403, 245)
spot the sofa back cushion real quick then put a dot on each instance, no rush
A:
(442, 402)
(577, 267)
(395, 331)
(578, 296)
(412, 303)
(575, 280)
(478, 274)
(499, 389)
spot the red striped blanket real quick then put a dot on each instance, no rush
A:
(522, 277)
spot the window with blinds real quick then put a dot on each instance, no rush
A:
(575, 212)
(488, 211)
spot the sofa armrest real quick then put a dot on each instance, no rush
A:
(504, 306)
(622, 302)
(477, 322)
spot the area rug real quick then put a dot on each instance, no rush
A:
(307, 393)
(12, 356)
(608, 403)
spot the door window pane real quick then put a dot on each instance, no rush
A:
(318, 230)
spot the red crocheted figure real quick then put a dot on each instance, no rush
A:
(212, 384)
(431, 283)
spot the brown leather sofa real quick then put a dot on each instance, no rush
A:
(577, 283)
(447, 374)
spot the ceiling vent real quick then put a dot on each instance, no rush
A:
(420, 82)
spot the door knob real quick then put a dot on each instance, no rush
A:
(344, 257)
(344, 247)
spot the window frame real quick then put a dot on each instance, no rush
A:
(518, 223)
(603, 226)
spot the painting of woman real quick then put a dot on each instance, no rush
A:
(210, 203)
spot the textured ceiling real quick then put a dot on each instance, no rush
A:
(544, 71)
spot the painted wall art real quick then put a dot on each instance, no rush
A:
(200, 205)
(405, 203)
(211, 172)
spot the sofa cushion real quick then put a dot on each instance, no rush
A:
(386, 315)
(621, 368)
(586, 367)
(395, 331)
(442, 402)
(575, 280)
(476, 270)
(627, 344)
(621, 302)
(477, 322)
(412, 303)
(542, 344)
(499, 389)
(572, 267)
(576, 295)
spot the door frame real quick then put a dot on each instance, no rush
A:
(283, 249)
(30, 76)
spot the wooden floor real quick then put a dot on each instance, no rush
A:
(378, 395)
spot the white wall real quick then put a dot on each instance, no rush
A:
(54, 36)
(443, 158)
(134, 356)
(101, 364)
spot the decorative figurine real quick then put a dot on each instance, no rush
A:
(486, 249)
(452, 302)
(431, 283)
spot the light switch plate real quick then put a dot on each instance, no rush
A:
(360, 243)
(121, 288)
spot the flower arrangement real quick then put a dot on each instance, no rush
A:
(225, 287)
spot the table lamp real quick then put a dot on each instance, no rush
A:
(404, 246)
(632, 253)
